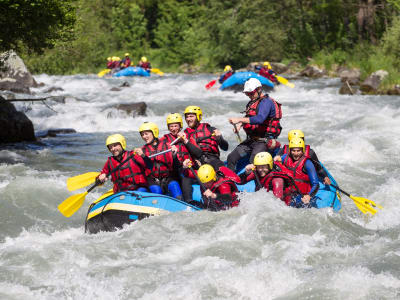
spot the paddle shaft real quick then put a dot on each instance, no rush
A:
(338, 188)
(165, 151)
(237, 133)
(257, 178)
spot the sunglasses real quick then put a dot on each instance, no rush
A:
(250, 93)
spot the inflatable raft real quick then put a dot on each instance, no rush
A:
(112, 211)
(132, 71)
(237, 80)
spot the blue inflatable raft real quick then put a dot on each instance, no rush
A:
(132, 71)
(112, 211)
(237, 80)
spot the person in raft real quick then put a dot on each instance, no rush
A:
(298, 165)
(261, 124)
(228, 72)
(126, 62)
(163, 175)
(127, 169)
(267, 72)
(109, 62)
(144, 63)
(207, 137)
(218, 188)
(297, 133)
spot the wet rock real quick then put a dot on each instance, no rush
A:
(58, 99)
(352, 76)
(54, 132)
(115, 89)
(279, 67)
(53, 89)
(293, 67)
(371, 84)
(15, 76)
(394, 90)
(15, 125)
(312, 72)
(188, 69)
(347, 89)
(134, 109)
(125, 84)
(40, 84)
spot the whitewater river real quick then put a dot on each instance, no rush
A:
(260, 250)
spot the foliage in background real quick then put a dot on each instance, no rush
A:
(213, 33)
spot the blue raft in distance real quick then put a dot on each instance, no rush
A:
(237, 80)
(132, 71)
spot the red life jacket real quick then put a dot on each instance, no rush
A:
(130, 176)
(227, 75)
(162, 164)
(109, 65)
(295, 170)
(127, 62)
(270, 126)
(222, 180)
(144, 65)
(204, 138)
(267, 74)
(306, 153)
(183, 152)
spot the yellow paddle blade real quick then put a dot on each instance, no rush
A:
(105, 195)
(284, 81)
(70, 205)
(364, 204)
(103, 72)
(157, 71)
(80, 181)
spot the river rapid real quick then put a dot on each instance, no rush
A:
(259, 250)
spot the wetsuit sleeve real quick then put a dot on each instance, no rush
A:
(312, 174)
(257, 67)
(265, 108)
(194, 150)
(245, 178)
(320, 170)
(280, 152)
(222, 143)
(221, 78)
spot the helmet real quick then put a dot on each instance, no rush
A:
(206, 173)
(151, 127)
(109, 58)
(227, 68)
(194, 110)
(118, 58)
(114, 58)
(297, 143)
(143, 59)
(174, 118)
(263, 158)
(267, 64)
(251, 84)
(295, 133)
(126, 54)
(116, 138)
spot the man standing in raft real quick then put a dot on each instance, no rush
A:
(131, 172)
(261, 124)
(208, 138)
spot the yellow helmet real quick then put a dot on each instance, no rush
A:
(267, 64)
(114, 58)
(297, 143)
(116, 138)
(174, 118)
(263, 158)
(118, 58)
(143, 59)
(206, 173)
(109, 58)
(150, 126)
(126, 54)
(227, 68)
(295, 133)
(194, 110)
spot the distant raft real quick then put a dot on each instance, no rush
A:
(237, 80)
(132, 71)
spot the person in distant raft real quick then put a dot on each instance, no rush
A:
(228, 72)
(298, 165)
(109, 63)
(126, 62)
(220, 188)
(143, 63)
(208, 138)
(131, 168)
(297, 133)
(261, 124)
(267, 72)
(163, 173)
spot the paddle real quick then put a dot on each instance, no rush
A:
(257, 178)
(103, 72)
(157, 71)
(80, 181)
(363, 204)
(284, 81)
(237, 134)
(210, 84)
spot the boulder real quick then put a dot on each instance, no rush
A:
(54, 132)
(115, 89)
(279, 68)
(346, 89)
(125, 84)
(134, 109)
(371, 84)
(394, 90)
(293, 67)
(188, 69)
(352, 76)
(15, 125)
(14, 76)
(312, 72)
(53, 89)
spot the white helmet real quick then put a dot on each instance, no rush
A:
(251, 84)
